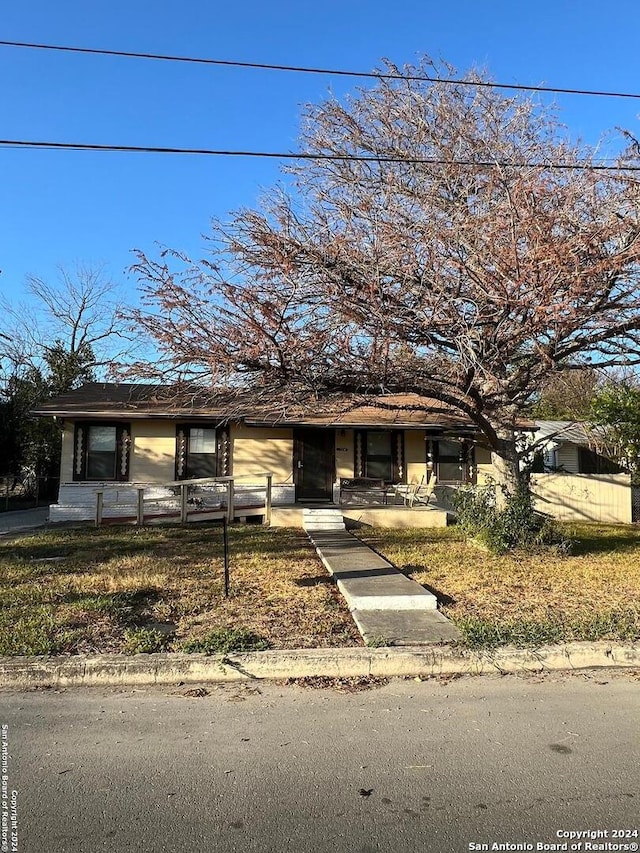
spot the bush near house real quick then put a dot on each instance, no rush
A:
(514, 525)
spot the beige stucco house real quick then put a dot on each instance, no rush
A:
(122, 437)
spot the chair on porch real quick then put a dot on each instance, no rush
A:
(400, 493)
(422, 492)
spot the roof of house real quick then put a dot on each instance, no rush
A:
(99, 400)
(575, 432)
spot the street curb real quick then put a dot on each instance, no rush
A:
(119, 670)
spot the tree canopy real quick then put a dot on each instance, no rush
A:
(52, 346)
(616, 408)
(443, 238)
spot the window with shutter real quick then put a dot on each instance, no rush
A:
(197, 451)
(101, 451)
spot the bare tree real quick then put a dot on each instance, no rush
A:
(70, 331)
(81, 311)
(442, 243)
(568, 394)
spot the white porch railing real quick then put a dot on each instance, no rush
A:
(204, 498)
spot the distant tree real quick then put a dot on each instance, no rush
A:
(441, 243)
(80, 315)
(566, 395)
(50, 348)
(616, 408)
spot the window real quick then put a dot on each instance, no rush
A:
(379, 454)
(101, 451)
(196, 452)
(451, 461)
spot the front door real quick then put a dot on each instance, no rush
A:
(313, 464)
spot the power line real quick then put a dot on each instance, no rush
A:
(290, 155)
(300, 69)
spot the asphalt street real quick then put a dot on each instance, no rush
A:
(438, 765)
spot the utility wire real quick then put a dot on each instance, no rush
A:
(299, 69)
(290, 155)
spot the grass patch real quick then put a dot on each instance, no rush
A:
(26, 631)
(224, 640)
(526, 600)
(132, 590)
(137, 641)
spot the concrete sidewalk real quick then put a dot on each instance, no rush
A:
(387, 606)
(23, 519)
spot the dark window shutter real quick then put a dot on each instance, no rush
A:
(123, 452)
(398, 463)
(79, 451)
(359, 453)
(223, 452)
(182, 443)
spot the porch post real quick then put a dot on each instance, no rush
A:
(140, 512)
(99, 505)
(267, 501)
(183, 503)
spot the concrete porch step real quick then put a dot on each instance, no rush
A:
(322, 518)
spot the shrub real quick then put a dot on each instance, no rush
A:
(145, 641)
(224, 640)
(514, 525)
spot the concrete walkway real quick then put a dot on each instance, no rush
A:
(387, 606)
(23, 519)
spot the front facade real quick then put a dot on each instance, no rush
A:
(307, 462)
(119, 438)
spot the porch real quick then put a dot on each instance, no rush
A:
(208, 499)
(366, 515)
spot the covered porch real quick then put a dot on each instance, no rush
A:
(384, 466)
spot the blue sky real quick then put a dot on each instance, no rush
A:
(63, 207)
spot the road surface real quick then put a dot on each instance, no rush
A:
(436, 766)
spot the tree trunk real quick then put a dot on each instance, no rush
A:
(505, 458)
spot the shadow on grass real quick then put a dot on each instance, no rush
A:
(318, 580)
(597, 543)
(91, 545)
(105, 543)
(409, 570)
(131, 607)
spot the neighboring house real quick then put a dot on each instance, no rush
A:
(571, 448)
(121, 437)
(572, 481)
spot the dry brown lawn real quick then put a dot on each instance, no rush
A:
(527, 598)
(88, 591)
(124, 589)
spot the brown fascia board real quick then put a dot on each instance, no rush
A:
(111, 415)
(435, 427)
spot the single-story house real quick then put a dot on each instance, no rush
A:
(118, 435)
(121, 438)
